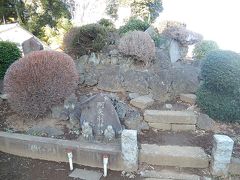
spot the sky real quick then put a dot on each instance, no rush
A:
(217, 20)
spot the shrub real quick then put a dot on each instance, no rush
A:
(107, 23)
(202, 48)
(134, 24)
(221, 71)
(139, 45)
(9, 53)
(85, 39)
(40, 80)
(219, 94)
(219, 105)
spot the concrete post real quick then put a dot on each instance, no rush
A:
(129, 149)
(221, 155)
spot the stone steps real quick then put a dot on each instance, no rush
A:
(178, 156)
(171, 120)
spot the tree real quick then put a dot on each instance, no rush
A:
(148, 10)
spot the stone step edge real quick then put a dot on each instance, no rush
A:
(170, 117)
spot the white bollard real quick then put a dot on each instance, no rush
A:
(105, 163)
(70, 156)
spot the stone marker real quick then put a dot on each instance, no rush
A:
(142, 102)
(130, 149)
(99, 112)
(188, 98)
(30, 45)
(221, 155)
(85, 174)
(3, 96)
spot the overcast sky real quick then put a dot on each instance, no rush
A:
(217, 20)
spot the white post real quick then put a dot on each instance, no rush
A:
(105, 163)
(70, 156)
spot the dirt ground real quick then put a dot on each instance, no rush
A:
(19, 168)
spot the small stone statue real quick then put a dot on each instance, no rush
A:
(87, 131)
(109, 133)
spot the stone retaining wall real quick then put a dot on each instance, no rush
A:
(120, 74)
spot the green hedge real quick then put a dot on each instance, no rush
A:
(202, 48)
(219, 94)
(134, 24)
(9, 52)
(85, 39)
(221, 71)
(219, 106)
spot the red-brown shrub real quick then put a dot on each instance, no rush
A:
(40, 80)
(139, 45)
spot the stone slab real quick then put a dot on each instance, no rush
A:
(183, 127)
(234, 167)
(171, 117)
(180, 156)
(85, 174)
(84, 153)
(167, 174)
(142, 102)
(188, 98)
(161, 126)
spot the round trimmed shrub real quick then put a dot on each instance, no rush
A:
(225, 107)
(139, 45)
(85, 39)
(134, 24)
(9, 53)
(40, 80)
(107, 23)
(202, 48)
(221, 71)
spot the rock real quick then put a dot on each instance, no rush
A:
(3, 96)
(204, 122)
(133, 95)
(57, 112)
(99, 112)
(121, 109)
(91, 75)
(160, 86)
(94, 59)
(167, 106)
(136, 81)
(184, 78)
(30, 45)
(113, 52)
(151, 31)
(130, 149)
(188, 98)
(162, 60)
(142, 102)
(109, 134)
(111, 79)
(83, 59)
(114, 60)
(70, 102)
(134, 120)
(85, 174)
(221, 155)
(174, 51)
(49, 131)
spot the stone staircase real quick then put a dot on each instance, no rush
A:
(178, 156)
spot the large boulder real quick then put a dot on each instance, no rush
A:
(30, 45)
